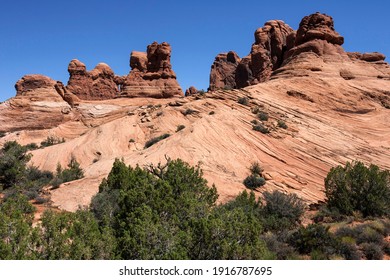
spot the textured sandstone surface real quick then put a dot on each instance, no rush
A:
(335, 105)
(151, 74)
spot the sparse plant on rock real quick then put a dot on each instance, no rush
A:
(154, 140)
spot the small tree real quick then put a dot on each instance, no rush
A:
(356, 187)
(255, 179)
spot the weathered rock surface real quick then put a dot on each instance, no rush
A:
(39, 86)
(223, 71)
(191, 91)
(98, 84)
(318, 26)
(151, 74)
(277, 45)
(369, 57)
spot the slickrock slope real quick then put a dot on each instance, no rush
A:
(335, 105)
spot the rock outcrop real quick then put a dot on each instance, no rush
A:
(223, 71)
(277, 44)
(37, 88)
(151, 74)
(191, 91)
(98, 84)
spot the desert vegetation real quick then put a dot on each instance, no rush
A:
(168, 211)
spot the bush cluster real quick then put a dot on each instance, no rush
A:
(155, 140)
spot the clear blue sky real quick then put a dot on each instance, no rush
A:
(42, 36)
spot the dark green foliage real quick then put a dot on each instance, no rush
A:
(281, 211)
(314, 238)
(17, 237)
(16, 176)
(253, 182)
(154, 140)
(356, 187)
(372, 251)
(168, 212)
(73, 172)
(261, 128)
(255, 179)
(263, 116)
(32, 147)
(73, 236)
(180, 127)
(243, 101)
(13, 160)
(282, 124)
(51, 140)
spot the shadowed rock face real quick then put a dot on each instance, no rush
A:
(223, 71)
(98, 84)
(277, 44)
(151, 74)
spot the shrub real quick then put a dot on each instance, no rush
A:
(282, 124)
(158, 114)
(51, 140)
(243, 101)
(31, 146)
(154, 140)
(356, 187)
(314, 237)
(260, 128)
(282, 211)
(2, 134)
(254, 181)
(372, 251)
(282, 250)
(131, 140)
(73, 172)
(188, 111)
(255, 122)
(263, 116)
(256, 168)
(13, 160)
(211, 113)
(180, 127)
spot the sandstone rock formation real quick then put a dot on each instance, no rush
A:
(191, 91)
(37, 87)
(98, 84)
(223, 71)
(151, 74)
(277, 45)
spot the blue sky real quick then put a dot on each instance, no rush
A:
(42, 37)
